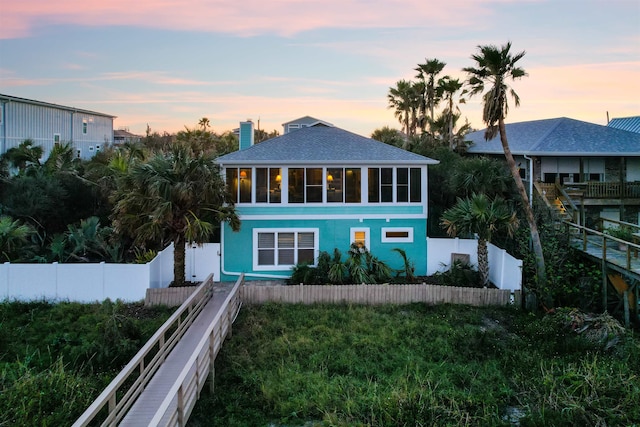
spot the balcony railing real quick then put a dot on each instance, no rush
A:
(606, 190)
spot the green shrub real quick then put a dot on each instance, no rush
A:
(459, 274)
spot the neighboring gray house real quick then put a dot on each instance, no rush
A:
(303, 122)
(599, 164)
(122, 136)
(50, 124)
(631, 124)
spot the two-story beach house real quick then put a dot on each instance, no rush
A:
(593, 170)
(317, 189)
(48, 125)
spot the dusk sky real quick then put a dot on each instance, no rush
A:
(168, 63)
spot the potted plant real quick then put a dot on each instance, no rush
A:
(622, 233)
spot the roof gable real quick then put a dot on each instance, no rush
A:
(323, 145)
(559, 137)
(307, 120)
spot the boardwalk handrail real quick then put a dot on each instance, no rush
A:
(631, 246)
(182, 397)
(176, 326)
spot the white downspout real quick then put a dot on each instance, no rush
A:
(530, 179)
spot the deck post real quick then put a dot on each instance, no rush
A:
(212, 360)
(212, 378)
(604, 285)
(625, 299)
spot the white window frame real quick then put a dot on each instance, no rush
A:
(386, 239)
(276, 267)
(57, 140)
(367, 236)
(85, 126)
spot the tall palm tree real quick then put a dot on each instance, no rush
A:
(427, 73)
(446, 90)
(178, 197)
(400, 99)
(484, 217)
(494, 67)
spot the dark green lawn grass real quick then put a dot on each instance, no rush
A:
(417, 365)
(55, 359)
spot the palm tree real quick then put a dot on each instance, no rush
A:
(427, 73)
(61, 159)
(204, 123)
(484, 217)
(494, 66)
(447, 88)
(480, 175)
(400, 99)
(178, 197)
(389, 136)
(24, 156)
(14, 238)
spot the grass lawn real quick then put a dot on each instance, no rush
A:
(55, 359)
(418, 365)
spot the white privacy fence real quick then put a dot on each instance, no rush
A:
(98, 281)
(128, 282)
(505, 271)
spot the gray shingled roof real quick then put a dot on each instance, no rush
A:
(323, 145)
(632, 124)
(560, 137)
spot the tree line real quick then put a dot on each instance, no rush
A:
(414, 103)
(123, 205)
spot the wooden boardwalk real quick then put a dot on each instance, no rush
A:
(627, 260)
(144, 409)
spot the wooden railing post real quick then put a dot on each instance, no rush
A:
(181, 406)
(212, 360)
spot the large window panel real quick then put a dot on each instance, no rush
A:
(352, 185)
(306, 249)
(374, 185)
(232, 184)
(245, 185)
(266, 248)
(335, 190)
(275, 179)
(402, 186)
(296, 185)
(314, 185)
(386, 185)
(262, 185)
(284, 248)
(415, 185)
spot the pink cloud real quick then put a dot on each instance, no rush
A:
(247, 17)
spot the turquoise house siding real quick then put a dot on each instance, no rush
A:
(318, 189)
(239, 256)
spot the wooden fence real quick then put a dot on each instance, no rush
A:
(377, 294)
(170, 297)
